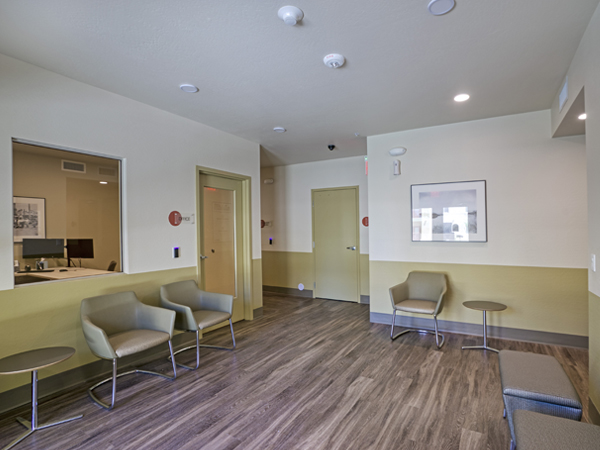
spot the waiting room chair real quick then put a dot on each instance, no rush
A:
(421, 293)
(197, 310)
(119, 325)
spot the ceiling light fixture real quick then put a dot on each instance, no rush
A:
(189, 88)
(462, 97)
(104, 182)
(290, 15)
(279, 130)
(440, 7)
(334, 61)
(582, 116)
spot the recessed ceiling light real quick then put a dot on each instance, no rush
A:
(189, 88)
(440, 7)
(582, 116)
(279, 130)
(104, 182)
(462, 97)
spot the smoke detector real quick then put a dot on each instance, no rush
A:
(334, 60)
(290, 15)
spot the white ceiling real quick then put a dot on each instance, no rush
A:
(403, 66)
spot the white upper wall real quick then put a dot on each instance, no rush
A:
(287, 202)
(161, 151)
(536, 191)
(585, 72)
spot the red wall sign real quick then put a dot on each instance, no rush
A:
(175, 218)
(262, 223)
(365, 221)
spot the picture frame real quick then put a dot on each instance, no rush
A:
(29, 218)
(449, 212)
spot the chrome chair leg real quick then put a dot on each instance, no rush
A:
(114, 377)
(198, 345)
(408, 330)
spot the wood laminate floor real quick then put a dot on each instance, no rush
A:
(310, 374)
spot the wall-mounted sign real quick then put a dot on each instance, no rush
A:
(175, 218)
(262, 223)
(365, 221)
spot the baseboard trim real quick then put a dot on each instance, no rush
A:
(515, 334)
(68, 379)
(289, 291)
(365, 299)
(593, 412)
(257, 313)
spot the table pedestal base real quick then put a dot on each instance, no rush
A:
(32, 424)
(484, 346)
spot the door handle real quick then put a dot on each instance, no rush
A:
(351, 248)
(202, 257)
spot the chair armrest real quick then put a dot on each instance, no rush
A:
(184, 318)
(155, 318)
(399, 293)
(97, 339)
(217, 302)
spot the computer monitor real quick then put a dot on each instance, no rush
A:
(43, 248)
(80, 248)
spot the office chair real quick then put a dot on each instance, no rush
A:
(196, 310)
(119, 325)
(112, 266)
(421, 293)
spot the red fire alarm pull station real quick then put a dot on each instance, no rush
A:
(365, 221)
(175, 218)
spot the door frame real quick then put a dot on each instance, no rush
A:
(246, 231)
(357, 218)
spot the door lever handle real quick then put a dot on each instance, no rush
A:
(351, 248)
(203, 257)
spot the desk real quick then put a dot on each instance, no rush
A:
(32, 361)
(56, 274)
(483, 306)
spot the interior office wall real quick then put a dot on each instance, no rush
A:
(77, 205)
(287, 205)
(536, 219)
(585, 72)
(160, 151)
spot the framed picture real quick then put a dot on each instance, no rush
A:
(29, 218)
(449, 212)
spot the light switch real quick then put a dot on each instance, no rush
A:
(176, 252)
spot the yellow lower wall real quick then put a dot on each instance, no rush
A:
(44, 315)
(553, 300)
(288, 269)
(257, 283)
(594, 352)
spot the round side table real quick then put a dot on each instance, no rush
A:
(483, 306)
(32, 361)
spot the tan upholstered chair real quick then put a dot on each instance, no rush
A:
(118, 325)
(197, 310)
(421, 293)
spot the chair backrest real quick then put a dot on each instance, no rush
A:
(426, 285)
(112, 266)
(183, 293)
(114, 313)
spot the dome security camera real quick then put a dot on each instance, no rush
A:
(331, 147)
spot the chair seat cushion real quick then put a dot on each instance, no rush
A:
(206, 318)
(416, 306)
(534, 431)
(135, 341)
(536, 377)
